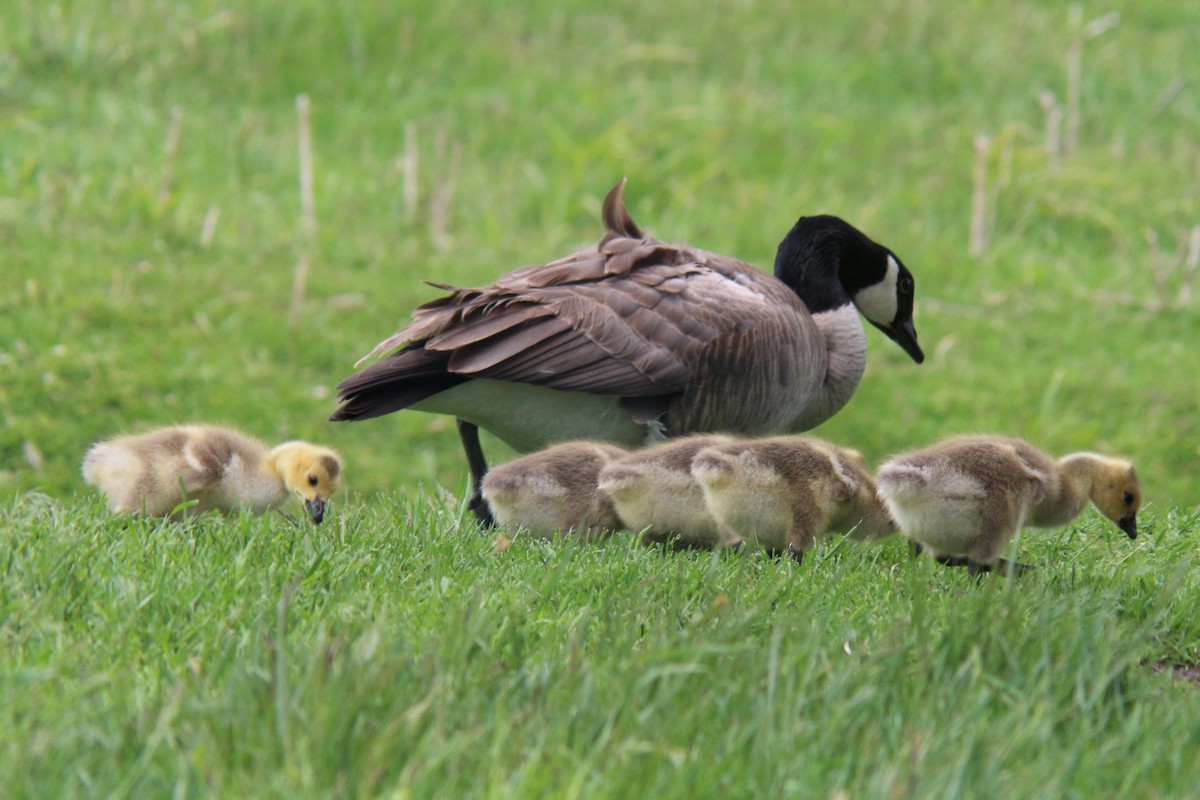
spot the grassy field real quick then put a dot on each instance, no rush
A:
(151, 225)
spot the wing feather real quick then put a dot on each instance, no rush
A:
(630, 316)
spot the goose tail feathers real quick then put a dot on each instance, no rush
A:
(616, 217)
(395, 383)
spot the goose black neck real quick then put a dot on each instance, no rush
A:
(815, 259)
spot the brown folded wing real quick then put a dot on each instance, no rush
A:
(631, 316)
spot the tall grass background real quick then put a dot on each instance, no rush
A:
(1036, 165)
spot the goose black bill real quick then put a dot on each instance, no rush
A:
(905, 335)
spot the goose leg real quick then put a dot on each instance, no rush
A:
(469, 433)
(915, 548)
(1002, 567)
(976, 569)
(777, 554)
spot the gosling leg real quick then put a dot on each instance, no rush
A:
(976, 569)
(1003, 566)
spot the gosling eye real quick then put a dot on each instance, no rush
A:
(313, 481)
(1128, 498)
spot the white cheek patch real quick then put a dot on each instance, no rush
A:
(878, 302)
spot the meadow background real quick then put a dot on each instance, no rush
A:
(151, 225)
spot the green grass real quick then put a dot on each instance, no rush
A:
(150, 659)
(392, 652)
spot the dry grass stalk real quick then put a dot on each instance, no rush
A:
(1190, 263)
(1074, 76)
(1158, 265)
(170, 151)
(1168, 95)
(1079, 34)
(408, 166)
(1163, 266)
(33, 456)
(1003, 180)
(442, 194)
(1054, 115)
(308, 214)
(977, 243)
(208, 228)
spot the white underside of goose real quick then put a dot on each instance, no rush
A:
(529, 418)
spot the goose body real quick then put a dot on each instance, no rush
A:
(219, 468)
(964, 498)
(653, 491)
(554, 490)
(782, 492)
(635, 340)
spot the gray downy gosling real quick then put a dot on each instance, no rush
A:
(964, 498)
(782, 492)
(654, 493)
(219, 468)
(554, 491)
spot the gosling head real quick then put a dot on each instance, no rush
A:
(308, 471)
(1117, 492)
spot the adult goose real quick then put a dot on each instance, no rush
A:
(636, 340)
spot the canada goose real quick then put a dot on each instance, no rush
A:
(653, 491)
(964, 498)
(635, 340)
(782, 492)
(554, 490)
(220, 468)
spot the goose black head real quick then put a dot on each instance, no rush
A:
(829, 263)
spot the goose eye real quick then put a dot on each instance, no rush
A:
(312, 481)
(906, 284)
(1128, 499)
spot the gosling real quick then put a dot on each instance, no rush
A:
(964, 498)
(654, 493)
(218, 468)
(554, 491)
(782, 492)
